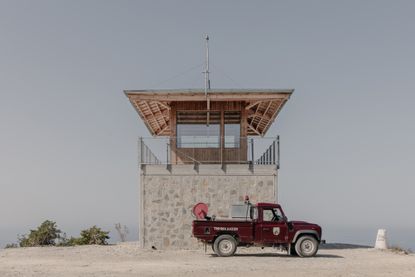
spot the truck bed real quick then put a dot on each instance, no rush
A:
(207, 230)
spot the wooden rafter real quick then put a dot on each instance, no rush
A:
(162, 104)
(258, 115)
(153, 117)
(253, 129)
(162, 130)
(252, 105)
(160, 114)
(262, 117)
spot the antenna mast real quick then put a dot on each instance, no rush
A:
(207, 80)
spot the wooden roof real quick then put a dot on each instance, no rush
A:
(262, 105)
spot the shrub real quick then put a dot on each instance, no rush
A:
(11, 245)
(122, 231)
(399, 250)
(93, 235)
(46, 234)
(70, 242)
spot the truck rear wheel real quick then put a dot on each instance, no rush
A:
(225, 246)
(306, 246)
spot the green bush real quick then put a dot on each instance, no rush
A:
(69, 242)
(93, 235)
(46, 234)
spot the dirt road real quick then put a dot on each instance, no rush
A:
(129, 260)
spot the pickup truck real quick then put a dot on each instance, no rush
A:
(265, 225)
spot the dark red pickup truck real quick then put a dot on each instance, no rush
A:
(265, 224)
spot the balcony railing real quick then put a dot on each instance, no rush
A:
(209, 150)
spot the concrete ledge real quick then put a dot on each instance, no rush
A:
(209, 170)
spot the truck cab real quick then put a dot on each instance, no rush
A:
(271, 226)
(265, 225)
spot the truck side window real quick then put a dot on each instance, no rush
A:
(272, 215)
(278, 214)
(267, 215)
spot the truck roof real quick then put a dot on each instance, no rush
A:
(262, 204)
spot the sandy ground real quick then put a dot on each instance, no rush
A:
(129, 260)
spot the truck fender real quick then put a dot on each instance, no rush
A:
(308, 232)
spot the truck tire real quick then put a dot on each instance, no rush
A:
(225, 246)
(306, 246)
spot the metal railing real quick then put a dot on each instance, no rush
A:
(146, 156)
(271, 154)
(244, 150)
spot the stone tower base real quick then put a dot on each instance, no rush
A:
(168, 196)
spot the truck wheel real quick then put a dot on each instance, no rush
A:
(306, 246)
(224, 246)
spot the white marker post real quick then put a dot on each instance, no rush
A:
(381, 240)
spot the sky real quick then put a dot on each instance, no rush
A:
(68, 134)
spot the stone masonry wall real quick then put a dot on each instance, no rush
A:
(167, 198)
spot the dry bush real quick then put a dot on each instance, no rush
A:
(399, 250)
(122, 231)
(11, 245)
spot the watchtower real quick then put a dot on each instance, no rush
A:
(206, 146)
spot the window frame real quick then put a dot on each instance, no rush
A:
(209, 145)
(236, 139)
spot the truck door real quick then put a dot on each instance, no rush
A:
(273, 227)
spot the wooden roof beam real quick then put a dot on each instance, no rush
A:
(262, 118)
(258, 115)
(162, 130)
(252, 105)
(159, 112)
(153, 117)
(254, 130)
(213, 97)
(162, 104)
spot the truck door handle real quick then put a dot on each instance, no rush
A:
(265, 229)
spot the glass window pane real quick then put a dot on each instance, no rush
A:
(193, 130)
(198, 136)
(267, 215)
(232, 129)
(240, 211)
(232, 135)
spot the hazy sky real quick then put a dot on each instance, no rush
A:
(68, 135)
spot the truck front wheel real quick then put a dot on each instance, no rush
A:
(306, 246)
(225, 246)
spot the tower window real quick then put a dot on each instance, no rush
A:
(195, 131)
(232, 129)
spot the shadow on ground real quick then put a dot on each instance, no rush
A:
(342, 246)
(279, 255)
